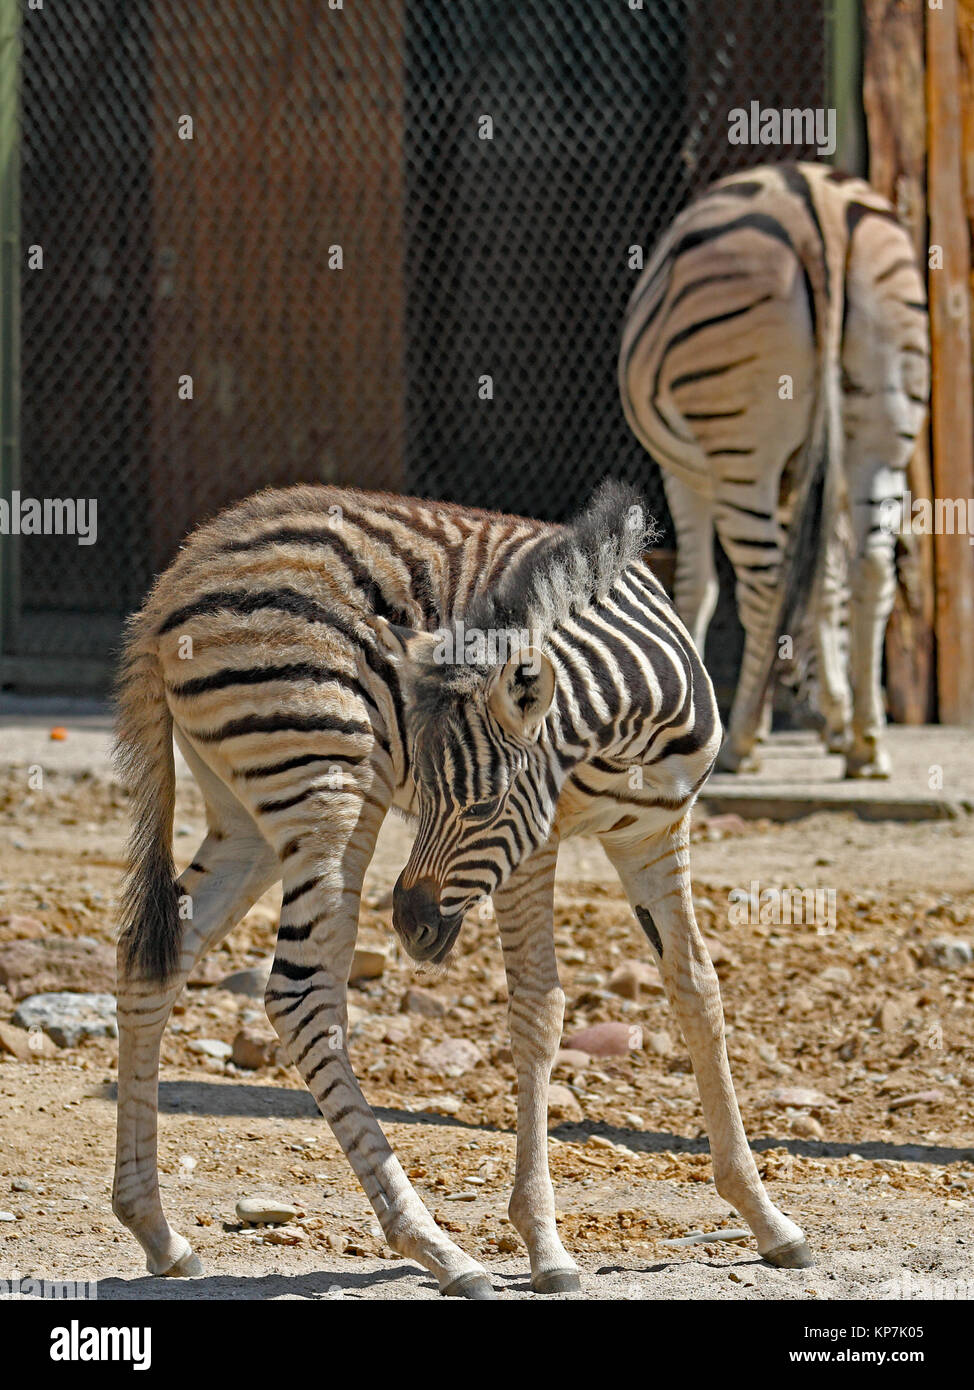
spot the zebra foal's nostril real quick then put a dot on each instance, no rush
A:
(416, 915)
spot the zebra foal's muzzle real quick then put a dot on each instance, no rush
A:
(420, 925)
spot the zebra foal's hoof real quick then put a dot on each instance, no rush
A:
(474, 1285)
(796, 1255)
(188, 1266)
(557, 1281)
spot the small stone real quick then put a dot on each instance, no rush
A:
(563, 1106)
(251, 982)
(727, 822)
(284, 1235)
(22, 1185)
(807, 1127)
(889, 1016)
(15, 927)
(438, 1105)
(368, 963)
(422, 1001)
(948, 953)
(931, 1097)
(7, 1216)
(58, 963)
(451, 1057)
(26, 1047)
(571, 1059)
(255, 1047)
(659, 1043)
(264, 1211)
(836, 976)
(717, 951)
(635, 979)
(797, 1096)
(508, 1245)
(397, 1030)
(66, 1017)
(607, 1040)
(730, 1235)
(211, 1047)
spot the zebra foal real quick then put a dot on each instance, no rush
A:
(295, 651)
(774, 363)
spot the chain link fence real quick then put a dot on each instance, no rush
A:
(383, 243)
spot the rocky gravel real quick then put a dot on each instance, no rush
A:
(852, 1049)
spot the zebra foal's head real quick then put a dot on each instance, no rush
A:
(486, 793)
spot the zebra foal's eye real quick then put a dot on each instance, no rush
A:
(481, 810)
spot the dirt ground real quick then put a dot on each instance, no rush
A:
(881, 1181)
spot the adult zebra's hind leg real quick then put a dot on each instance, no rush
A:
(695, 588)
(536, 1008)
(656, 877)
(751, 539)
(229, 872)
(306, 1003)
(873, 591)
(834, 697)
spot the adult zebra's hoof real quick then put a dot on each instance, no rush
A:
(874, 766)
(729, 761)
(188, 1266)
(474, 1285)
(795, 1255)
(557, 1281)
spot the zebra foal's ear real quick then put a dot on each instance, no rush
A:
(519, 694)
(403, 644)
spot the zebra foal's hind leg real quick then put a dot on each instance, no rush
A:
(536, 1007)
(656, 877)
(231, 869)
(306, 1003)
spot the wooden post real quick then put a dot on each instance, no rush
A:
(952, 396)
(893, 99)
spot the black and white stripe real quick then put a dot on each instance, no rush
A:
(774, 363)
(295, 652)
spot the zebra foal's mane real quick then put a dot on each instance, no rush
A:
(576, 566)
(568, 571)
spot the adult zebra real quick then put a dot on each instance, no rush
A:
(774, 363)
(298, 649)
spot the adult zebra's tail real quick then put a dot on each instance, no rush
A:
(819, 490)
(150, 929)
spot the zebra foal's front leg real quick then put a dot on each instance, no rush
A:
(656, 877)
(536, 1008)
(306, 1003)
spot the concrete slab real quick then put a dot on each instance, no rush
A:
(933, 767)
(933, 779)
